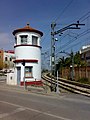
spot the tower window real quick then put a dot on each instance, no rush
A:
(15, 39)
(23, 39)
(6, 59)
(28, 71)
(10, 59)
(34, 40)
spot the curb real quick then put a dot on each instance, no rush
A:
(35, 90)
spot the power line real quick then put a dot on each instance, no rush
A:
(84, 17)
(64, 10)
(80, 35)
(78, 42)
(48, 32)
(73, 40)
(81, 19)
(60, 15)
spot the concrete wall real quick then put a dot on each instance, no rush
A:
(11, 79)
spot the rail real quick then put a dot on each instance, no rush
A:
(68, 85)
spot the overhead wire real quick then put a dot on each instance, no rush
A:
(81, 19)
(84, 17)
(65, 8)
(73, 40)
(78, 42)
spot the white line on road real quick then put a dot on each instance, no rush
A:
(11, 113)
(21, 108)
(3, 115)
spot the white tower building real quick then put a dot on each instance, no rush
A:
(28, 55)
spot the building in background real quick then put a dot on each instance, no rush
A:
(81, 70)
(6, 60)
(85, 54)
(1, 59)
(28, 56)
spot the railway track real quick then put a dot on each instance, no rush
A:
(68, 85)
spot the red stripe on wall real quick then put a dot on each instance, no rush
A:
(26, 60)
(39, 83)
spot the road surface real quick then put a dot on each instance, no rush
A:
(17, 104)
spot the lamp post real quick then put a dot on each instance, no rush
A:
(23, 63)
(57, 88)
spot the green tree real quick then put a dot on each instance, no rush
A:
(78, 61)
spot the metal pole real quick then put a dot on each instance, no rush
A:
(24, 78)
(23, 63)
(57, 89)
(72, 65)
(52, 52)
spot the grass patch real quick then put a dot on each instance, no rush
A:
(84, 80)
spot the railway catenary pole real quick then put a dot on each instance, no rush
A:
(72, 57)
(52, 61)
(53, 33)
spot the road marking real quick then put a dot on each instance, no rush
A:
(3, 115)
(11, 113)
(21, 108)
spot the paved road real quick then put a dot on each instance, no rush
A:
(17, 104)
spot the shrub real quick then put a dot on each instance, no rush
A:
(83, 80)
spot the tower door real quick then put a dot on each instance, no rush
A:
(18, 75)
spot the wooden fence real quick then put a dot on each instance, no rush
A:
(79, 72)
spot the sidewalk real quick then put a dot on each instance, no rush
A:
(30, 89)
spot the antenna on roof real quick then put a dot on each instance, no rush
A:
(27, 24)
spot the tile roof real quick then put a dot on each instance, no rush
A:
(27, 28)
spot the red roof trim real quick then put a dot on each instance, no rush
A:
(10, 51)
(26, 60)
(27, 45)
(27, 29)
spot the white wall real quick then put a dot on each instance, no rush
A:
(29, 52)
(29, 39)
(11, 79)
(36, 71)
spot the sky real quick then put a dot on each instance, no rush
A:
(40, 14)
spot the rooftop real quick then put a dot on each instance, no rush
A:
(27, 29)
